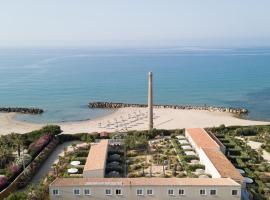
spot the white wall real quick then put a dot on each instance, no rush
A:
(209, 167)
(160, 192)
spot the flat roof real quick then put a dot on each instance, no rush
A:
(97, 156)
(144, 182)
(223, 165)
(202, 138)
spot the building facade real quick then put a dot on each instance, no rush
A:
(226, 182)
(145, 188)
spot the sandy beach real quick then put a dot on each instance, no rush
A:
(133, 119)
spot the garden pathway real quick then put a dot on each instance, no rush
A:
(53, 158)
(256, 145)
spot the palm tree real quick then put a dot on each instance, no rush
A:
(5, 154)
(56, 169)
(65, 151)
(163, 168)
(17, 141)
(73, 146)
(260, 152)
(61, 160)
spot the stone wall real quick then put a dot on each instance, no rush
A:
(33, 111)
(112, 105)
(32, 167)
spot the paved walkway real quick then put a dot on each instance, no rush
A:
(53, 158)
(256, 146)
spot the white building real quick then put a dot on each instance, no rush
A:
(96, 161)
(225, 184)
(145, 188)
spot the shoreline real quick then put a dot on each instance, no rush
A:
(124, 119)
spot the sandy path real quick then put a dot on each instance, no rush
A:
(133, 119)
(256, 146)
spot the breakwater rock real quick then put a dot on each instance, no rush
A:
(112, 105)
(32, 111)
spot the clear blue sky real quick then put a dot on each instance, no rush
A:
(120, 23)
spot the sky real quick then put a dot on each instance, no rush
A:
(139, 23)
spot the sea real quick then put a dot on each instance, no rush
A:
(64, 81)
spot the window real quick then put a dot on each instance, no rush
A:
(118, 192)
(108, 192)
(234, 192)
(139, 192)
(181, 192)
(55, 192)
(213, 192)
(170, 192)
(149, 192)
(76, 191)
(87, 191)
(203, 192)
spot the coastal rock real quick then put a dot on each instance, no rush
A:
(32, 111)
(113, 105)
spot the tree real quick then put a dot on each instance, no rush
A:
(56, 169)
(5, 155)
(73, 146)
(18, 142)
(17, 196)
(260, 152)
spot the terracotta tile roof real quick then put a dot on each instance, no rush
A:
(201, 138)
(145, 181)
(223, 165)
(104, 134)
(97, 156)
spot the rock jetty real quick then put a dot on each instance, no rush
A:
(112, 105)
(32, 111)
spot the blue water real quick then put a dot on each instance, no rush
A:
(63, 81)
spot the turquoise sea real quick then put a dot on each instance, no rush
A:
(63, 81)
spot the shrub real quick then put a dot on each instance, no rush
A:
(86, 137)
(46, 130)
(188, 158)
(248, 131)
(81, 153)
(135, 167)
(18, 196)
(181, 175)
(35, 147)
(13, 170)
(3, 182)
(133, 175)
(235, 152)
(52, 129)
(196, 166)
(25, 160)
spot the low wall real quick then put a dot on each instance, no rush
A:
(35, 164)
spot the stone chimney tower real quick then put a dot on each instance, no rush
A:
(150, 101)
